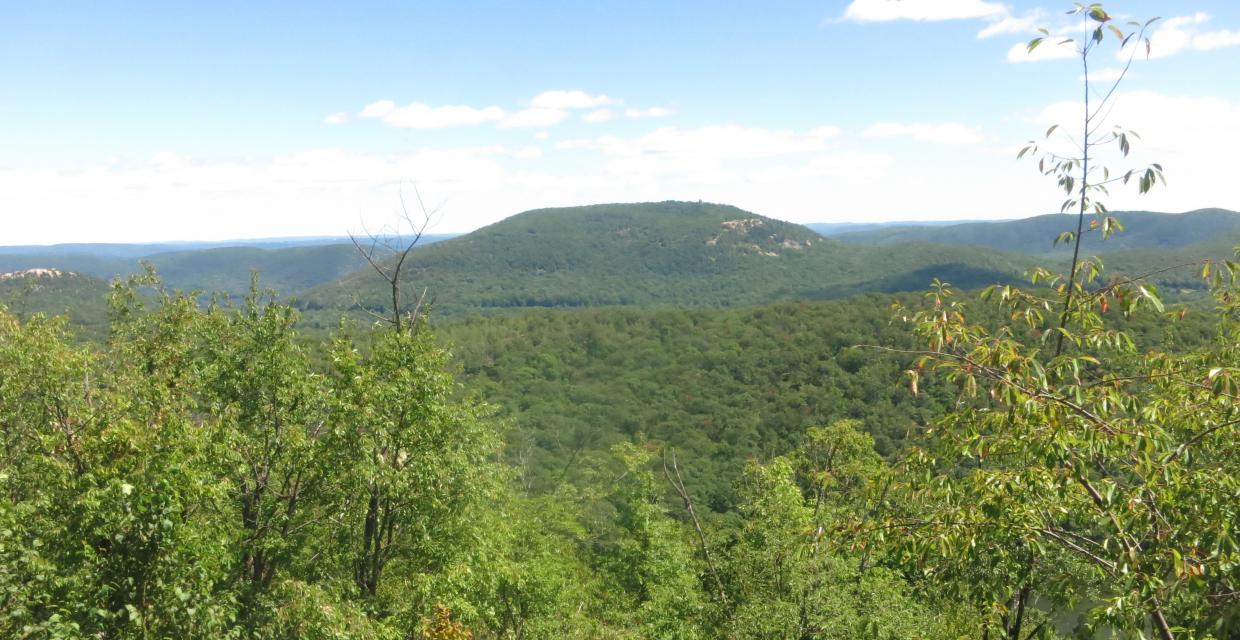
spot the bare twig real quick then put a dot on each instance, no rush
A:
(389, 269)
(678, 484)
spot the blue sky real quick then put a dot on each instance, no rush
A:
(155, 121)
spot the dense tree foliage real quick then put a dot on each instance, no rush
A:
(207, 473)
(681, 253)
(224, 269)
(197, 477)
(1144, 230)
(1059, 460)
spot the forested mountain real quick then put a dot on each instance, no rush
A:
(720, 386)
(681, 253)
(655, 420)
(287, 265)
(677, 253)
(80, 298)
(144, 249)
(828, 229)
(1143, 230)
(224, 269)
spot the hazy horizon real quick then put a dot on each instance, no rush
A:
(432, 232)
(144, 123)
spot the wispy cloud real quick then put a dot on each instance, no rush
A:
(652, 112)
(1182, 132)
(1168, 38)
(599, 115)
(533, 118)
(417, 115)
(1008, 24)
(1052, 48)
(573, 99)
(543, 110)
(920, 10)
(711, 143)
(1185, 33)
(1107, 74)
(944, 133)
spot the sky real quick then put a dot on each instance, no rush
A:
(136, 122)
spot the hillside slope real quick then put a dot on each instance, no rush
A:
(1143, 230)
(223, 269)
(675, 253)
(80, 298)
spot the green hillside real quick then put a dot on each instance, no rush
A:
(722, 386)
(224, 269)
(1144, 230)
(82, 299)
(678, 253)
(228, 269)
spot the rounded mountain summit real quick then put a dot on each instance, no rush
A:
(674, 253)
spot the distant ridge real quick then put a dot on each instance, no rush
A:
(144, 249)
(682, 254)
(828, 229)
(1143, 230)
(671, 253)
(287, 265)
(36, 272)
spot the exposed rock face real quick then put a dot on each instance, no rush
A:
(747, 225)
(789, 243)
(35, 273)
(744, 224)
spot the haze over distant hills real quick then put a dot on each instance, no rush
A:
(285, 264)
(142, 250)
(688, 254)
(672, 253)
(828, 229)
(1035, 236)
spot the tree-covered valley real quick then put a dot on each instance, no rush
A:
(674, 464)
(674, 419)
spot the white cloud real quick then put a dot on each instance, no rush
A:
(1216, 40)
(1189, 135)
(1183, 33)
(599, 115)
(802, 175)
(1107, 74)
(652, 112)
(533, 117)
(422, 116)
(544, 110)
(922, 10)
(711, 144)
(823, 132)
(528, 152)
(575, 99)
(332, 191)
(378, 109)
(945, 133)
(1012, 24)
(542, 135)
(1052, 48)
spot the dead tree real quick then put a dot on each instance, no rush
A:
(678, 485)
(386, 253)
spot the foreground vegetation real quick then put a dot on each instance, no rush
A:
(1061, 460)
(200, 477)
(208, 472)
